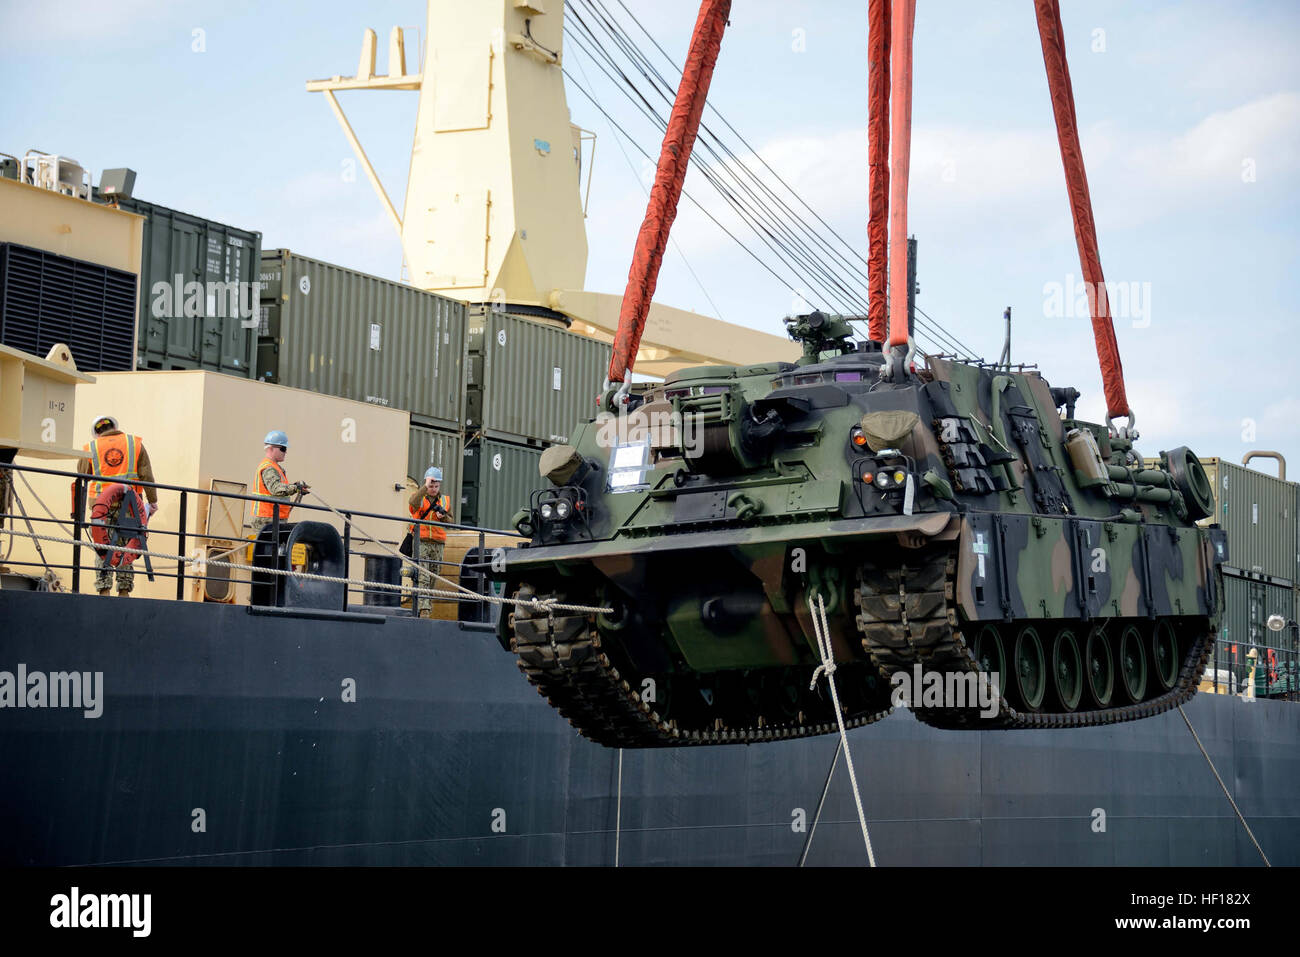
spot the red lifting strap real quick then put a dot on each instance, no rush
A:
(1076, 182)
(900, 142)
(878, 165)
(671, 174)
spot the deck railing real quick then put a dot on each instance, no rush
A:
(381, 533)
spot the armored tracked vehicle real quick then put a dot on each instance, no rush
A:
(955, 520)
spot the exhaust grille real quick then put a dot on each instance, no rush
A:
(47, 298)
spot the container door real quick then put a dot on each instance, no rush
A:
(239, 331)
(182, 335)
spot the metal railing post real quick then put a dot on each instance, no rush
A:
(480, 580)
(347, 556)
(180, 550)
(277, 580)
(78, 510)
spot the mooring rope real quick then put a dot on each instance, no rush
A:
(463, 594)
(823, 633)
(1249, 832)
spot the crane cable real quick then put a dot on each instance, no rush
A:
(758, 215)
(727, 164)
(706, 132)
(760, 221)
(763, 210)
(619, 137)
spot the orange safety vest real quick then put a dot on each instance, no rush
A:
(431, 532)
(266, 509)
(114, 456)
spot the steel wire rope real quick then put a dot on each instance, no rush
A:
(746, 211)
(759, 216)
(941, 336)
(732, 164)
(614, 123)
(618, 140)
(939, 333)
(745, 214)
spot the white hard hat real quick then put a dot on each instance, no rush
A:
(99, 420)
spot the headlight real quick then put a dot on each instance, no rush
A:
(882, 480)
(562, 510)
(857, 437)
(899, 477)
(546, 510)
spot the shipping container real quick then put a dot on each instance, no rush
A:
(1247, 606)
(198, 303)
(430, 446)
(47, 298)
(341, 332)
(536, 382)
(1258, 511)
(497, 480)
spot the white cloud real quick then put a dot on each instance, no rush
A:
(1211, 153)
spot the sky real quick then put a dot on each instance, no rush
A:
(1189, 115)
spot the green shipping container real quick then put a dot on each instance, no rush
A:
(429, 446)
(537, 381)
(341, 332)
(1258, 511)
(1247, 605)
(498, 479)
(198, 301)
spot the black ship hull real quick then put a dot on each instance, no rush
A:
(225, 738)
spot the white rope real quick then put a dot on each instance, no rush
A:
(405, 560)
(1249, 832)
(618, 812)
(534, 603)
(822, 630)
(546, 604)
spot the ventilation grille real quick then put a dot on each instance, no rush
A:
(46, 298)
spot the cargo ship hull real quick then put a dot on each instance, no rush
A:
(230, 736)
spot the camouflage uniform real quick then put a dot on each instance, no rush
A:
(103, 571)
(428, 554)
(277, 487)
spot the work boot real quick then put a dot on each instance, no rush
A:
(123, 594)
(106, 591)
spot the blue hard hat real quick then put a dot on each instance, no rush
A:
(276, 437)
(434, 473)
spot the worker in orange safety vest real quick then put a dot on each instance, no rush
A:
(116, 455)
(272, 481)
(427, 503)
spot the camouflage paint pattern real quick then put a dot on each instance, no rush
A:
(757, 492)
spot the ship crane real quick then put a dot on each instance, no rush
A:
(493, 211)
